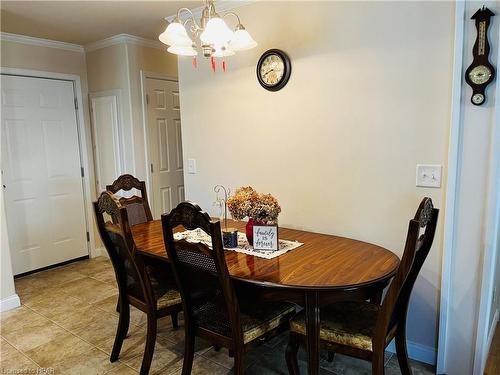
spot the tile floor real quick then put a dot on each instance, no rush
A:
(67, 322)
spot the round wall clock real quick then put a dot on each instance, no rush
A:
(274, 69)
(480, 73)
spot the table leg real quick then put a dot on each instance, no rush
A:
(312, 327)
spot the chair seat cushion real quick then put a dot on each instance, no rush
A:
(264, 317)
(164, 286)
(345, 323)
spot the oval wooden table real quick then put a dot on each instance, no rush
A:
(323, 270)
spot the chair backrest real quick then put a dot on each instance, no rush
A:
(117, 238)
(206, 288)
(419, 240)
(137, 207)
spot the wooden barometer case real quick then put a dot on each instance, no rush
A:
(480, 73)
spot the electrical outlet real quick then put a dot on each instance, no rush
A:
(428, 175)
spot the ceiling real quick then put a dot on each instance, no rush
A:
(83, 22)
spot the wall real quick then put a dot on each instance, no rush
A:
(119, 67)
(475, 204)
(368, 99)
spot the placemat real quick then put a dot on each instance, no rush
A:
(198, 235)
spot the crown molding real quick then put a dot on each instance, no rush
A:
(123, 39)
(221, 7)
(40, 42)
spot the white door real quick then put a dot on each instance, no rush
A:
(165, 145)
(42, 172)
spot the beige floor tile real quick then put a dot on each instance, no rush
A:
(56, 350)
(221, 357)
(165, 356)
(122, 370)
(32, 331)
(98, 330)
(78, 320)
(132, 346)
(53, 306)
(93, 266)
(107, 275)
(89, 290)
(137, 317)
(93, 362)
(201, 366)
(12, 360)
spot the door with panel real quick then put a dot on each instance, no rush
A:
(42, 172)
(165, 145)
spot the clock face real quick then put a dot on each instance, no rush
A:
(478, 98)
(273, 69)
(480, 74)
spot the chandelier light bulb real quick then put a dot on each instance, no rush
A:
(241, 40)
(216, 32)
(175, 34)
(182, 50)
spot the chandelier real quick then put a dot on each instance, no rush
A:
(216, 39)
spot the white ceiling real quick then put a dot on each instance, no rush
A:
(82, 22)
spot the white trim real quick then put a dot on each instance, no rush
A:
(100, 252)
(221, 7)
(491, 247)
(40, 42)
(123, 39)
(418, 352)
(10, 303)
(131, 111)
(454, 163)
(145, 75)
(82, 139)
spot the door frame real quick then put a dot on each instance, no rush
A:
(144, 76)
(82, 140)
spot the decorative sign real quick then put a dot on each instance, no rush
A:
(265, 237)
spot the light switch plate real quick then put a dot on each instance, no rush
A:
(429, 175)
(192, 166)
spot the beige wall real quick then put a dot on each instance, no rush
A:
(119, 67)
(368, 99)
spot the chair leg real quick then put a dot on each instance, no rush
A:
(239, 361)
(378, 362)
(175, 321)
(402, 352)
(292, 350)
(189, 338)
(150, 345)
(121, 330)
(331, 356)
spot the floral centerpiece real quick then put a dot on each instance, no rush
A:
(261, 209)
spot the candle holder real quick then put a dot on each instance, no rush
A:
(229, 235)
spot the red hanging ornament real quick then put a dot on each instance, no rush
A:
(213, 64)
(195, 62)
(224, 66)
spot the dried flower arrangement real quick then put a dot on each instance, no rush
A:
(246, 202)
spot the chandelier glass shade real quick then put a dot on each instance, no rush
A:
(211, 34)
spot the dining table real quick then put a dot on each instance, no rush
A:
(325, 269)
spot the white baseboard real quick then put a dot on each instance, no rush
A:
(418, 352)
(100, 252)
(10, 303)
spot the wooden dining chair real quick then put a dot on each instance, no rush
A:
(362, 329)
(152, 292)
(212, 309)
(138, 209)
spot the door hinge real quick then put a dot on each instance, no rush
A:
(147, 99)
(76, 103)
(88, 237)
(151, 167)
(82, 171)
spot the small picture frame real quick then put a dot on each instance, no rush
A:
(265, 237)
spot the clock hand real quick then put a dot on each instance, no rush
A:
(269, 71)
